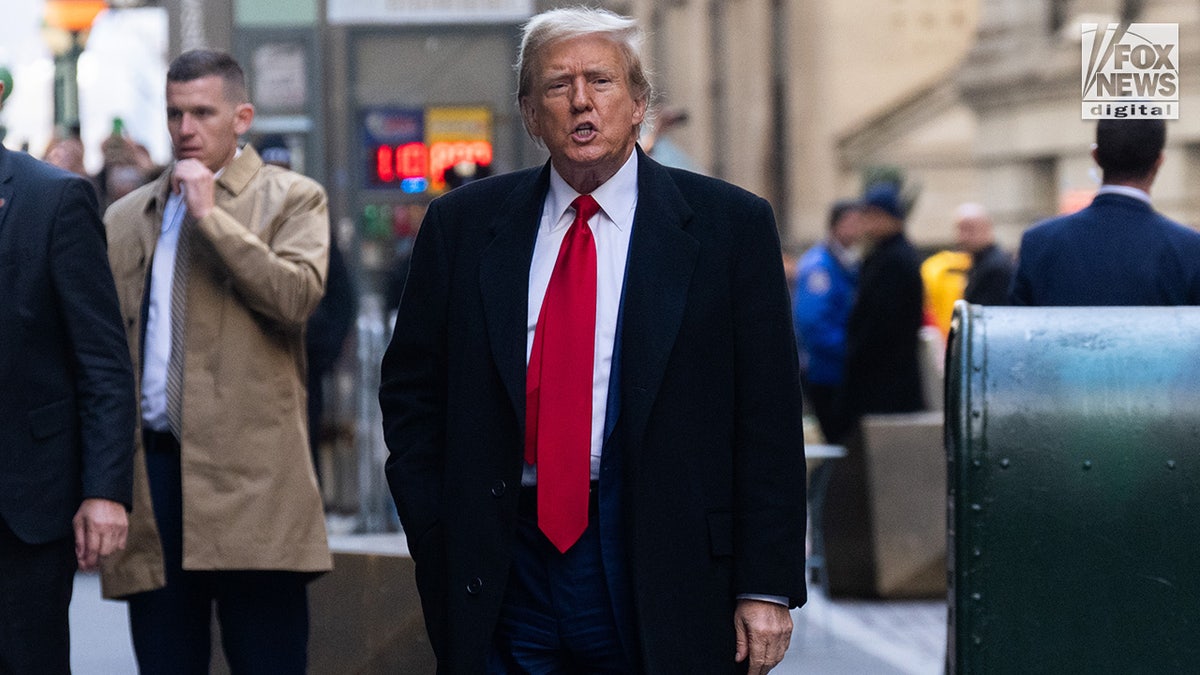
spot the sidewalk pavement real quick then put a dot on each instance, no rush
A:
(866, 637)
(831, 637)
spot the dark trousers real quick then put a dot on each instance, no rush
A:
(36, 581)
(557, 614)
(263, 615)
(821, 400)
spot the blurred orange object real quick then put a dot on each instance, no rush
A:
(73, 15)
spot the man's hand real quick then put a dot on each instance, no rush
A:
(100, 529)
(198, 185)
(763, 630)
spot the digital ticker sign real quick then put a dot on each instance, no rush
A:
(412, 148)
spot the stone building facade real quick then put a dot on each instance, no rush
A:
(975, 100)
(793, 99)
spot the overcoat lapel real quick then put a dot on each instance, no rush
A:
(662, 259)
(155, 205)
(504, 280)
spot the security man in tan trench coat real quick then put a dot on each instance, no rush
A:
(226, 506)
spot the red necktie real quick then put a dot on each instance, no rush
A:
(558, 385)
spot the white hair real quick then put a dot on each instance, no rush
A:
(971, 211)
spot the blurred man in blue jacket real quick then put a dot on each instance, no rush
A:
(825, 283)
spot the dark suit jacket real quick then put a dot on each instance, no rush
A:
(67, 398)
(710, 485)
(882, 369)
(1117, 251)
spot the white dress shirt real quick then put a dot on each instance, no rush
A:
(611, 229)
(157, 348)
(156, 352)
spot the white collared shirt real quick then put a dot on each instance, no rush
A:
(1124, 191)
(611, 228)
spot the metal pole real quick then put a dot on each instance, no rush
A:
(66, 87)
(375, 511)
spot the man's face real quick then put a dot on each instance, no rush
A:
(974, 234)
(849, 228)
(878, 224)
(582, 108)
(204, 125)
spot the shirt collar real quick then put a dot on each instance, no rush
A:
(1124, 191)
(616, 197)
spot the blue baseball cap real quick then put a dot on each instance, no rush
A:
(885, 197)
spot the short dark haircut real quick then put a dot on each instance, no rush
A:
(198, 63)
(1126, 149)
(839, 209)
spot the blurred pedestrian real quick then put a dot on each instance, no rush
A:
(990, 275)
(660, 144)
(220, 262)
(465, 172)
(273, 149)
(127, 165)
(826, 278)
(66, 152)
(1118, 250)
(68, 403)
(599, 465)
(882, 364)
(882, 375)
(825, 285)
(944, 276)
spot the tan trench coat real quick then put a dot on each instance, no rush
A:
(250, 497)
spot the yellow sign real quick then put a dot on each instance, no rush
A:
(456, 135)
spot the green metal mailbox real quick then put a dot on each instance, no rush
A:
(1073, 448)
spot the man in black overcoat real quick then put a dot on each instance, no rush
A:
(688, 548)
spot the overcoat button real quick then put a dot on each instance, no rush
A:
(498, 488)
(475, 586)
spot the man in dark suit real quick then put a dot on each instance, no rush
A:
(1118, 250)
(66, 444)
(617, 489)
(991, 271)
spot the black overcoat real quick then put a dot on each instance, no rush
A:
(711, 484)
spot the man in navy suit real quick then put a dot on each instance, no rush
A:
(67, 401)
(689, 549)
(1118, 250)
